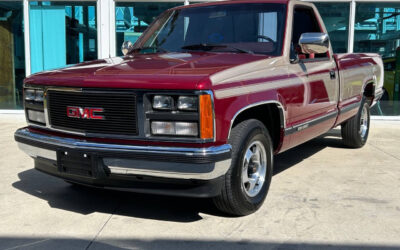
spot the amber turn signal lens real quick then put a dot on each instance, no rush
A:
(206, 117)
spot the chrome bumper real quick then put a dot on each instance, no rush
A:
(168, 162)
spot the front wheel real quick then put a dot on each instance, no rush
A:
(355, 131)
(247, 181)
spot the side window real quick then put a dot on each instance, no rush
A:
(304, 21)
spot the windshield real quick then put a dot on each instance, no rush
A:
(240, 28)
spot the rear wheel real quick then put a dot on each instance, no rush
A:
(247, 182)
(355, 131)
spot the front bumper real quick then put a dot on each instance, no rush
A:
(193, 172)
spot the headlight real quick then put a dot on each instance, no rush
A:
(39, 96)
(188, 114)
(163, 102)
(34, 95)
(174, 128)
(29, 94)
(188, 103)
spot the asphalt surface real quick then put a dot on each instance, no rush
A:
(322, 195)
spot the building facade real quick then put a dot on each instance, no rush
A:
(42, 35)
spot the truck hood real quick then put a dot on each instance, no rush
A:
(145, 71)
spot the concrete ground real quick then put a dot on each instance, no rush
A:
(322, 196)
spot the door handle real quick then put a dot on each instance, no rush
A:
(332, 74)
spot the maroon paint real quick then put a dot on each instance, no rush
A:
(191, 71)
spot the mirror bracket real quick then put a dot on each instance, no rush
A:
(126, 47)
(293, 58)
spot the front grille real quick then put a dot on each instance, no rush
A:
(119, 111)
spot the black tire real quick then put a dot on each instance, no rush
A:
(234, 198)
(352, 134)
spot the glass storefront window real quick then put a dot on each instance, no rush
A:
(12, 54)
(62, 33)
(131, 19)
(377, 29)
(336, 18)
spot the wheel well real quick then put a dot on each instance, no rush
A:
(369, 92)
(269, 115)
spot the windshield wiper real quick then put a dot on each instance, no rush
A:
(203, 46)
(210, 46)
(156, 49)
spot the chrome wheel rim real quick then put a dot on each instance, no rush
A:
(364, 122)
(254, 168)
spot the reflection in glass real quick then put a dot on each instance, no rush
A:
(62, 33)
(242, 28)
(336, 19)
(12, 54)
(131, 19)
(377, 29)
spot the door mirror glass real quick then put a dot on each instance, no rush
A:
(314, 43)
(126, 47)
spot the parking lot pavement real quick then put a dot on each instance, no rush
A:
(322, 196)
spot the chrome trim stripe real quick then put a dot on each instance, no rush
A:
(36, 152)
(84, 145)
(308, 124)
(280, 107)
(378, 96)
(350, 107)
(45, 107)
(219, 169)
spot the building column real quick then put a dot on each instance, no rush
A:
(352, 20)
(27, 38)
(105, 25)
(112, 29)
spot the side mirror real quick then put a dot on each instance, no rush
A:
(126, 47)
(316, 43)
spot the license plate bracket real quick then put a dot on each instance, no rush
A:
(75, 162)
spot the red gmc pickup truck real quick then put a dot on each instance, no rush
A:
(200, 103)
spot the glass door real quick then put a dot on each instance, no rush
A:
(12, 54)
(62, 33)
